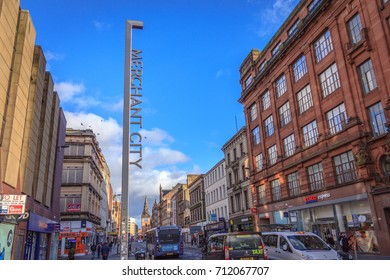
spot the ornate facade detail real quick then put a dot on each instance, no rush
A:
(363, 155)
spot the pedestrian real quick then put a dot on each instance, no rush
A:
(71, 253)
(105, 251)
(93, 250)
(344, 243)
(99, 249)
(193, 240)
(330, 240)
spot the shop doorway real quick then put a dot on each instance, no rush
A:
(326, 230)
(387, 217)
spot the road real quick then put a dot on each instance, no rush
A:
(189, 252)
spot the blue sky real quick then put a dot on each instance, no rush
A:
(192, 51)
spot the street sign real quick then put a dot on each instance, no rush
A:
(11, 204)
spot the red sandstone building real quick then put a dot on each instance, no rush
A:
(317, 109)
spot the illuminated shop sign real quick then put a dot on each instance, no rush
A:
(316, 198)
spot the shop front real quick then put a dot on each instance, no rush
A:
(331, 217)
(41, 238)
(7, 232)
(77, 234)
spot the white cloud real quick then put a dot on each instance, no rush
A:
(279, 12)
(270, 19)
(100, 25)
(50, 56)
(156, 137)
(68, 90)
(222, 72)
(77, 95)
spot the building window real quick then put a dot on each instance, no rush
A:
(246, 198)
(284, 114)
(248, 81)
(275, 188)
(316, 177)
(354, 29)
(70, 203)
(262, 194)
(238, 201)
(242, 152)
(337, 119)
(281, 86)
(310, 134)
(244, 175)
(385, 165)
(253, 111)
(323, 46)
(275, 50)
(232, 204)
(293, 184)
(269, 126)
(289, 145)
(313, 5)
(256, 135)
(305, 100)
(74, 150)
(265, 100)
(329, 80)
(259, 162)
(272, 155)
(344, 165)
(262, 66)
(299, 68)
(72, 175)
(367, 76)
(293, 28)
(377, 119)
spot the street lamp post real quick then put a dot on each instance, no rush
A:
(130, 24)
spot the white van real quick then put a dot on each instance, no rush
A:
(297, 246)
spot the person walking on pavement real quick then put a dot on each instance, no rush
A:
(99, 249)
(105, 251)
(71, 253)
(93, 250)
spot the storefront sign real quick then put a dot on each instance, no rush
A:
(65, 226)
(12, 204)
(40, 224)
(15, 218)
(254, 210)
(213, 217)
(315, 198)
(73, 207)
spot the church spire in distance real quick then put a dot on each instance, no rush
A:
(145, 212)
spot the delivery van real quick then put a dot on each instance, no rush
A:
(289, 245)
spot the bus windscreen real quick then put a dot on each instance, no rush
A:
(169, 236)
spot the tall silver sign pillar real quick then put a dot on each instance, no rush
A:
(130, 25)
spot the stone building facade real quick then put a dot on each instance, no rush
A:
(316, 102)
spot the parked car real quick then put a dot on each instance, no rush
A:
(297, 246)
(234, 246)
